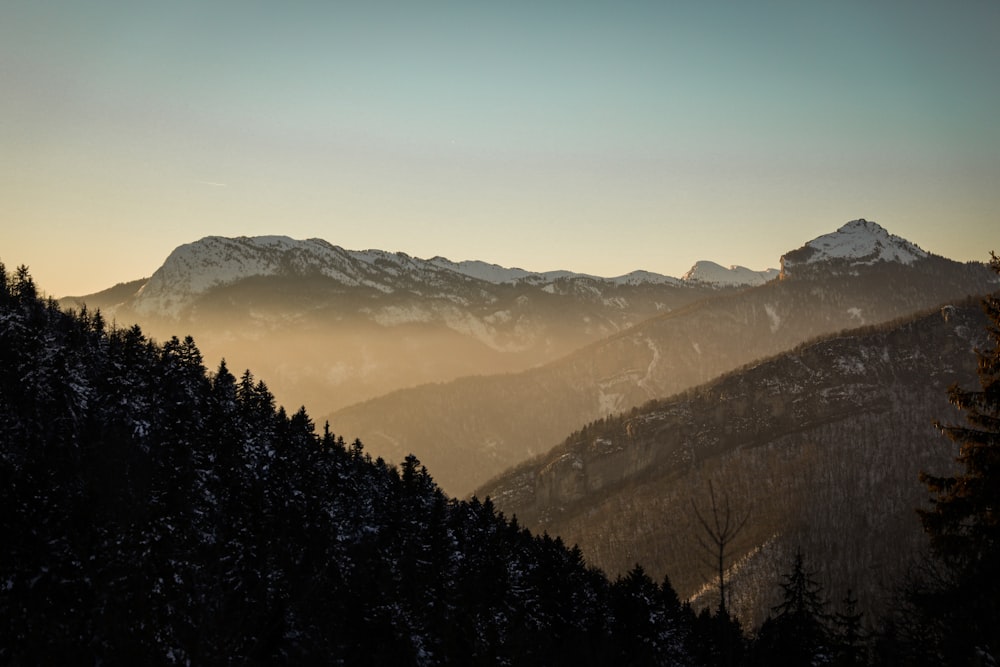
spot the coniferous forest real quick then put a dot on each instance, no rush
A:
(156, 512)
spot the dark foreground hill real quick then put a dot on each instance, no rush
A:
(820, 446)
(156, 514)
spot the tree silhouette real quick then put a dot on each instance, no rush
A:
(796, 634)
(963, 604)
(721, 528)
(849, 634)
(154, 513)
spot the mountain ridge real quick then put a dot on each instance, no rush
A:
(380, 355)
(661, 356)
(823, 442)
(215, 261)
(360, 324)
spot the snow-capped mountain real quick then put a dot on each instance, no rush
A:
(463, 428)
(195, 268)
(710, 273)
(859, 242)
(355, 324)
(214, 261)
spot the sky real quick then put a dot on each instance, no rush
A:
(598, 137)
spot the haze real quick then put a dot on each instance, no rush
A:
(596, 137)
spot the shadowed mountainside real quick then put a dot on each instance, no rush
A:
(821, 445)
(471, 429)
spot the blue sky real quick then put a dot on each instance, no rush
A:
(593, 136)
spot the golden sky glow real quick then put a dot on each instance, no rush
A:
(598, 137)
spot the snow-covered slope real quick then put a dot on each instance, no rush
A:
(710, 273)
(639, 277)
(858, 242)
(195, 268)
(496, 274)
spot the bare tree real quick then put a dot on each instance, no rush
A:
(721, 528)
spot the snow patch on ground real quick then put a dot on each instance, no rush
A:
(499, 317)
(851, 366)
(646, 381)
(608, 402)
(713, 585)
(772, 314)
(390, 316)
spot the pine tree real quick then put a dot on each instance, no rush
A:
(848, 633)
(156, 514)
(797, 634)
(964, 521)
(715, 639)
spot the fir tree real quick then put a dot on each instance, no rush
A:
(796, 635)
(961, 602)
(156, 514)
(848, 635)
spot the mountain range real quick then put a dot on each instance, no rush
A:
(476, 367)
(804, 395)
(473, 428)
(194, 269)
(352, 325)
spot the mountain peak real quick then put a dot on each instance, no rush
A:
(194, 268)
(859, 242)
(710, 273)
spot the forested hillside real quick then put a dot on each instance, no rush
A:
(474, 428)
(154, 513)
(821, 447)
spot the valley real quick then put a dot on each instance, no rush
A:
(805, 395)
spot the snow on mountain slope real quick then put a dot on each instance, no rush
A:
(496, 274)
(706, 272)
(639, 277)
(194, 268)
(858, 242)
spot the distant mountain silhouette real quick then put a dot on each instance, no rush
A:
(471, 429)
